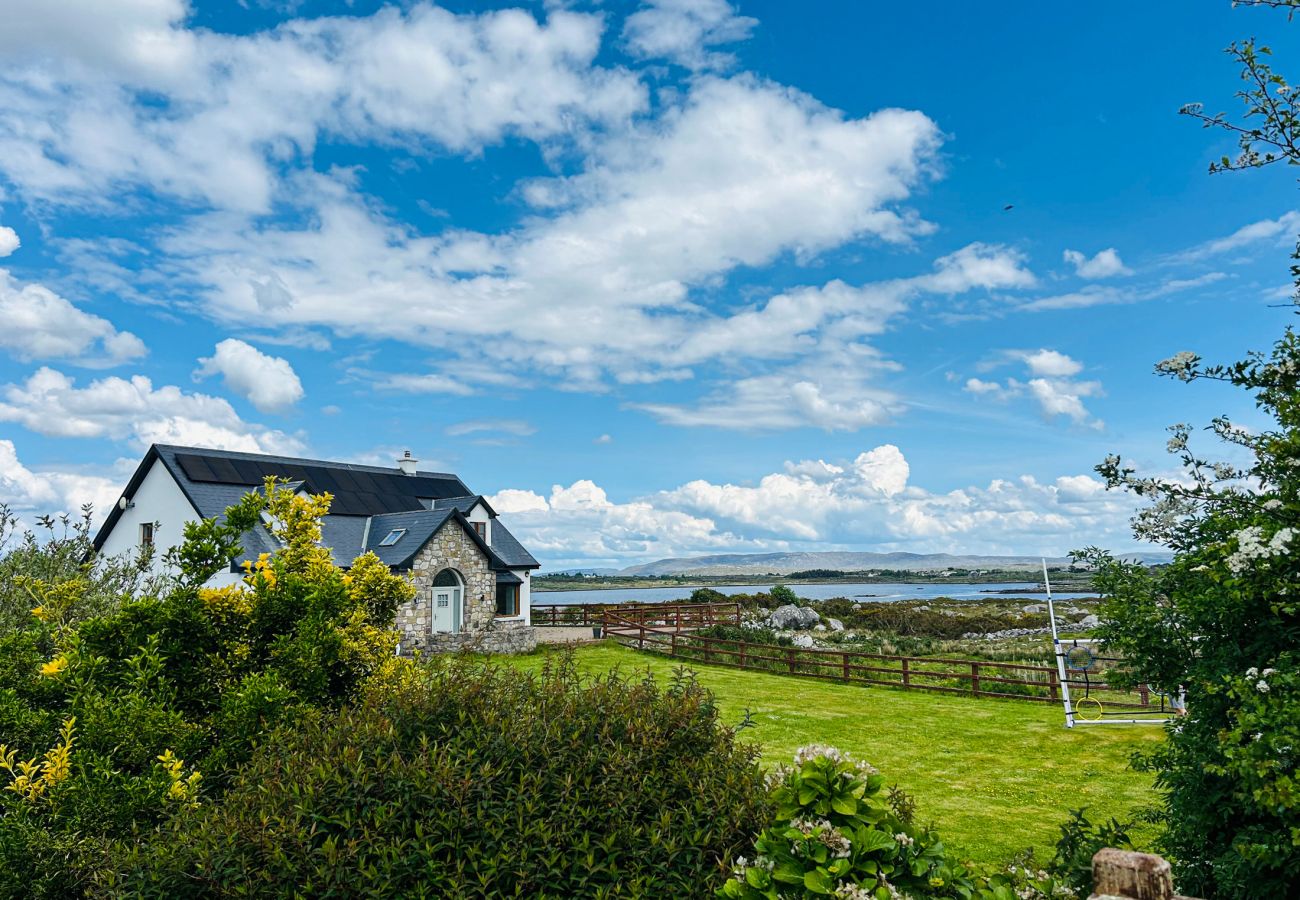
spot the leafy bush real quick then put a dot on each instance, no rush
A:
(57, 562)
(834, 833)
(460, 779)
(120, 718)
(1079, 842)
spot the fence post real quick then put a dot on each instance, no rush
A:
(640, 635)
(1053, 686)
(1125, 873)
(1145, 693)
(789, 658)
(742, 645)
(674, 639)
(907, 673)
(845, 661)
(975, 678)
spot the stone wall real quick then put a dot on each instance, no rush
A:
(452, 548)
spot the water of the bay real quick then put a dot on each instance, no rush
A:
(864, 593)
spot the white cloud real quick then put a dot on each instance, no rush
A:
(1051, 363)
(604, 439)
(429, 383)
(1106, 264)
(268, 382)
(1062, 397)
(39, 324)
(50, 491)
(516, 427)
(736, 173)
(50, 403)
(1280, 231)
(833, 386)
(1053, 387)
(225, 111)
(8, 241)
(683, 31)
(979, 386)
(1101, 295)
(866, 503)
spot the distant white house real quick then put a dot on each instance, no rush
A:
(471, 575)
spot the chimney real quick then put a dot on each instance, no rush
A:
(407, 463)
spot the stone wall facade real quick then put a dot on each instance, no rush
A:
(452, 548)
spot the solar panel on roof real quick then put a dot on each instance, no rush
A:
(323, 479)
(195, 467)
(225, 472)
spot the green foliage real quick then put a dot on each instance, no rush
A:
(835, 834)
(782, 595)
(708, 595)
(1212, 623)
(1080, 840)
(459, 779)
(169, 694)
(56, 561)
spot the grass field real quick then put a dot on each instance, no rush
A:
(996, 776)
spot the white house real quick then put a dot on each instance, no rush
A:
(471, 575)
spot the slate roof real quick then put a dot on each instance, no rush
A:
(369, 502)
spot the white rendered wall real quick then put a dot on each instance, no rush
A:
(158, 500)
(479, 514)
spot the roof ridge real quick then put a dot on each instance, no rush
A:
(244, 454)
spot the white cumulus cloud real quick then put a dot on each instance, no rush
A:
(1105, 264)
(1053, 386)
(39, 324)
(683, 31)
(268, 382)
(50, 403)
(866, 503)
(9, 241)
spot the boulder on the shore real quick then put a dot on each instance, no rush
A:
(836, 624)
(805, 641)
(1034, 608)
(791, 617)
(1090, 621)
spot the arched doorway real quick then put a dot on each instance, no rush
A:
(448, 602)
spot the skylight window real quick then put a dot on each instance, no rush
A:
(392, 537)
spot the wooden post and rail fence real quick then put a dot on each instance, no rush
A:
(670, 629)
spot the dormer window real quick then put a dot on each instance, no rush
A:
(393, 537)
(481, 528)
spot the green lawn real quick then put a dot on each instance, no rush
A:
(996, 776)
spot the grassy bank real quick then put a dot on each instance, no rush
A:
(996, 775)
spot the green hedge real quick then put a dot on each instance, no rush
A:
(460, 779)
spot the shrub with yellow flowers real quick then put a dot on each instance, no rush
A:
(171, 694)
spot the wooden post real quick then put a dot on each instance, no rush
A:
(907, 673)
(1053, 686)
(1145, 693)
(845, 662)
(1125, 873)
(974, 678)
(674, 637)
(741, 645)
(789, 658)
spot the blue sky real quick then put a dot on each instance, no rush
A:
(661, 277)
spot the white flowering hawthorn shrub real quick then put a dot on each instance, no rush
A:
(1222, 621)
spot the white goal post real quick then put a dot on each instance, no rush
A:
(1068, 656)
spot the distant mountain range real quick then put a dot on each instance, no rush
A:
(785, 563)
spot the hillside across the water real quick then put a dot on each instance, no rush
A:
(785, 563)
